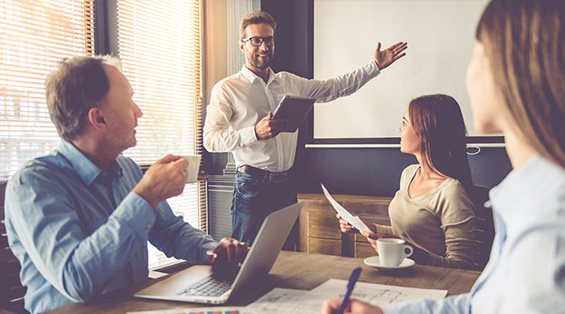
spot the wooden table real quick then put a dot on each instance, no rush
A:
(297, 271)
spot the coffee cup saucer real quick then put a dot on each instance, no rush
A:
(373, 261)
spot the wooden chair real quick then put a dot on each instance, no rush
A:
(11, 290)
(485, 223)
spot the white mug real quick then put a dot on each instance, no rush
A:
(192, 168)
(392, 251)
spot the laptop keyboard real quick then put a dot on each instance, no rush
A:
(208, 286)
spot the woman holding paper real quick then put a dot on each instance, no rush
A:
(515, 82)
(432, 210)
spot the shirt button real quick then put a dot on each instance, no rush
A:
(148, 226)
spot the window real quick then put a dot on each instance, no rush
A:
(34, 36)
(159, 45)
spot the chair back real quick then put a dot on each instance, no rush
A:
(484, 230)
(11, 290)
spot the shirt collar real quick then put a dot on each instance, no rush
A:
(525, 188)
(251, 77)
(83, 166)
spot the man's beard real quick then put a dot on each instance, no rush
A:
(262, 64)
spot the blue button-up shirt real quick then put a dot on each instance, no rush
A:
(526, 269)
(79, 232)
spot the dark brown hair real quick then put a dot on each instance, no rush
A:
(524, 41)
(438, 121)
(256, 17)
(77, 85)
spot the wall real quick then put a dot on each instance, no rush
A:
(222, 57)
(367, 171)
(362, 171)
(431, 66)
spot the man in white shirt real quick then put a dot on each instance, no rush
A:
(239, 120)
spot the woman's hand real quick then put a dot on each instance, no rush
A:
(372, 237)
(354, 306)
(344, 226)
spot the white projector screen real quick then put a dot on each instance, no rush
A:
(440, 36)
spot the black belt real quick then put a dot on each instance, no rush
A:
(271, 176)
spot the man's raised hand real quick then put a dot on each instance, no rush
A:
(388, 56)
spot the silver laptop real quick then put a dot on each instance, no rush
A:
(196, 284)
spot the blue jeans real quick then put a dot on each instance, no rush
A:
(254, 198)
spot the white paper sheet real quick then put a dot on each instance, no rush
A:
(153, 274)
(284, 301)
(378, 294)
(194, 310)
(347, 216)
(280, 301)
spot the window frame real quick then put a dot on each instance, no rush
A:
(106, 37)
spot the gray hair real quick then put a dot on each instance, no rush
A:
(73, 88)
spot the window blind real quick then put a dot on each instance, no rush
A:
(159, 43)
(34, 36)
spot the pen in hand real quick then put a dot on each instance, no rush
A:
(350, 284)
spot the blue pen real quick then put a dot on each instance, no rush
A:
(350, 284)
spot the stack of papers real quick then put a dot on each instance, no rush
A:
(304, 301)
(355, 221)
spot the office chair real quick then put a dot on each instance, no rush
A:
(11, 290)
(484, 230)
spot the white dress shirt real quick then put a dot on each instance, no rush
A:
(526, 269)
(239, 101)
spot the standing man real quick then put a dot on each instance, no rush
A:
(239, 120)
(78, 220)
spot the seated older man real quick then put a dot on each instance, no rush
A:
(79, 219)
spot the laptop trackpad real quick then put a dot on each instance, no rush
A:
(177, 282)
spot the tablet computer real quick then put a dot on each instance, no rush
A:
(294, 109)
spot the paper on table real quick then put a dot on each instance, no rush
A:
(195, 310)
(279, 301)
(283, 301)
(353, 220)
(377, 294)
(153, 274)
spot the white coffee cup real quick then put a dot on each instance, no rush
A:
(392, 251)
(192, 168)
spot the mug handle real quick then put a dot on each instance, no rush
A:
(410, 251)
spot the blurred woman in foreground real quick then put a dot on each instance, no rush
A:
(516, 83)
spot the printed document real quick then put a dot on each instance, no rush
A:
(280, 301)
(284, 301)
(378, 294)
(347, 216)
(194, 310)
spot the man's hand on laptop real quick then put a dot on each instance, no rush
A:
(227, 256)
(229, 251)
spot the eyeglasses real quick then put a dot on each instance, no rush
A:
(258, 41)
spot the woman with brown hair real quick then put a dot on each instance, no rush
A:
(516, 82)
(432, 210)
